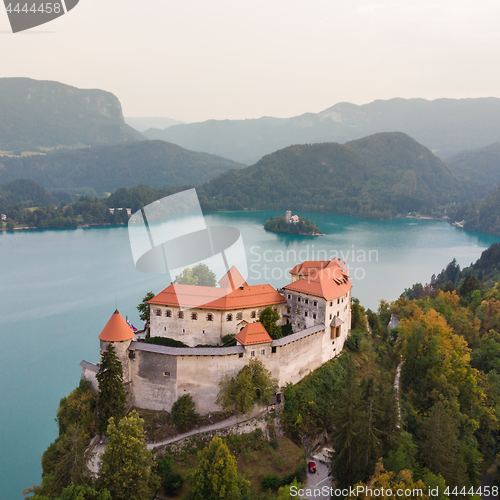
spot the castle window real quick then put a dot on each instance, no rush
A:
(275, 309)
(240, 355)
(252, 353)
(307, 301)
(331, 303)
(158, 312)
(180, 314)
(330, 316)
(314, 316)
(168, 313)
(288, 310)
(210, 317)
(298, 299)
(273, 350)
(297, 312)
(305, 313)
(315, 302)
(289, 296)
(254, 314)
(229, 317)
(166, 374)
(338, 301)
(194, 316)
(239, 316)
(263, 352)
(338, 313)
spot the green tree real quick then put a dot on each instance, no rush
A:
(184, 412)
(126, 464)
(74, 492)
(349, 438)
(111, 397)
(171, 480)
(268, 318)
(216, 476)
(200, 275)
(253, 384)
(143, 307)
(10, 224)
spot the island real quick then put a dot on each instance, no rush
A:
(292, 224)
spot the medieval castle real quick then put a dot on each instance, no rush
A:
(317, 304)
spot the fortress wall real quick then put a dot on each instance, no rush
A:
(293, 361)
(154, 380)
(200, 377)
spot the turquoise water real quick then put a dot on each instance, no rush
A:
(58, 288)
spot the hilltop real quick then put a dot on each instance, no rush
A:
(38, 114)
(379, 176)
(479, 165)
(107, 168)
(445, 126)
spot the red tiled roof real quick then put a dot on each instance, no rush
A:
(232, 279)
(312, 267)
(328, 282)
(116, 329)
(206, 297)
(253, 333)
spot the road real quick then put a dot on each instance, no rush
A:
(318, 480)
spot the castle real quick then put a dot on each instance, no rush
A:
(316, 303)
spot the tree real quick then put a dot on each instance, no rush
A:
(215, 476)
(349, 438)
(111, 397)
(143, 307)
(73, 492)
(126, 464)
(383, 482)
(10, 224)
(268, 318)
(184, 412)
(200, 275)
(252, 384)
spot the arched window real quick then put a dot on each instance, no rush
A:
(210, 317)
(194, 315)
(168, 313)
(239, 316)
(229, 317)
(254, 314)
(158, 312)
(180, 314)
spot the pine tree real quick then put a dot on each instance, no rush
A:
(126, 463)
(111, 398)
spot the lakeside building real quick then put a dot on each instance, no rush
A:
(317, 303)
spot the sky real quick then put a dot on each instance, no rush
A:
(195, 60)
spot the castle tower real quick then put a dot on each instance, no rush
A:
(288, 217)
(120, 335)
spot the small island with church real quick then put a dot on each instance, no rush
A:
(292, 224)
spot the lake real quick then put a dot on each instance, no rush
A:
(58, 289)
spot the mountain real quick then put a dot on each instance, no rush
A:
(446, 126)
(27, 193)
(43, 114)
(482, 216)
(378, 176)
(154, 122)
(106, 168)
(479, 165)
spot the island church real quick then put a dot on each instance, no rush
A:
(316, 302)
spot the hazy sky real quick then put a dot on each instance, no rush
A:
(193, 60)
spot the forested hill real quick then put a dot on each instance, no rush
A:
(479, 165)
(379, 176)
(43, 114)
(107, 168)
(446, 126)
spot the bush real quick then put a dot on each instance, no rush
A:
(184, 412)
(274, 444)
(271, 481)
(166, 341)
(171, 481)
(353, 341)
